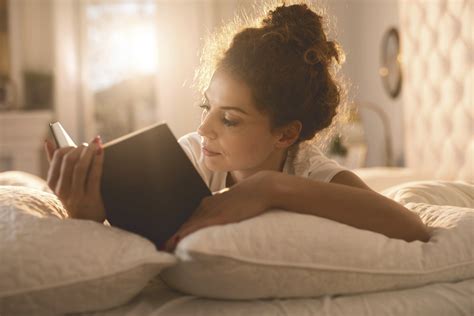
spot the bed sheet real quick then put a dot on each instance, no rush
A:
(436, 299)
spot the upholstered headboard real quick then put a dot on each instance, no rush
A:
(437, 53)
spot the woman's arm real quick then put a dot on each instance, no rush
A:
(355, 206)
(349, 202)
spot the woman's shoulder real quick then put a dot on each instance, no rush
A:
(190, 140)
(307, 160)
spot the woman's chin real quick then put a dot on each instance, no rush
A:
(213, 165)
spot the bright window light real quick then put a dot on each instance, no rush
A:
(121, 42)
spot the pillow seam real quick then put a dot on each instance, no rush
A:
(328, 268)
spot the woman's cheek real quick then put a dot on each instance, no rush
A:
(248, 153)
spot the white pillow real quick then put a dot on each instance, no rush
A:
(24, 179)
(50, 265)
(439, 192)
(283, 255)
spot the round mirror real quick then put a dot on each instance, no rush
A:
(390, 68)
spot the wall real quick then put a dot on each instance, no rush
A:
(360, 28)
(31, 40)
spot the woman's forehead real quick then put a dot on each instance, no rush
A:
(226, 91)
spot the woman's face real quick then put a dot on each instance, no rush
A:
(235, 135)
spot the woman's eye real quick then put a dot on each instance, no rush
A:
(204, 107)
(229, 122)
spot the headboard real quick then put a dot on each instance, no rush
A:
(437, 52)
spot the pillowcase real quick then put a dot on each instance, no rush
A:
(284, 255)
(455, 193)
(24, 179)
(51, 265)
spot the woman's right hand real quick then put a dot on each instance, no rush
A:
(74, 176)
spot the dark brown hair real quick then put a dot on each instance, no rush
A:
(289, 65)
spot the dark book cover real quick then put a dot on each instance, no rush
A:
(149, 185)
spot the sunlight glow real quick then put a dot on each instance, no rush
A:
(121, 42)
(133, 48)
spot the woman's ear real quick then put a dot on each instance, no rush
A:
(288, 134)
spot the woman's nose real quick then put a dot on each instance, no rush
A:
(206, 129)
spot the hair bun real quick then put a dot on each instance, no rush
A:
(322, 54)
(290, 16)
(302, 28)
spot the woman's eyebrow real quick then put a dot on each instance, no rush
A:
(228, 107)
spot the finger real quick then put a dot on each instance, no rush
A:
(55, 166)
(49, 149)
(63, 187)
(198, 216)
(167, 246)
(171, 244)
(81, 169)
(95, 173)
(190, 228)
(200, 211)
(79, 172)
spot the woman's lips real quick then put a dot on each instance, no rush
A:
(209, 153)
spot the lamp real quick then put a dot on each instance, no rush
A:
(386, 129)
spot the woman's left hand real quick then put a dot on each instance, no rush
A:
(244, 200)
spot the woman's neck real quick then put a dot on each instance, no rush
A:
(275, 162)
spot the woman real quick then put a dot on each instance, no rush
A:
(271, 91)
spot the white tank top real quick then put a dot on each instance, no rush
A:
(305, 161)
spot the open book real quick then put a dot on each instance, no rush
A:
(149, 186)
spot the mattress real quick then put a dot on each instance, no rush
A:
(436, 299)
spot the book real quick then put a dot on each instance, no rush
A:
(149, 186)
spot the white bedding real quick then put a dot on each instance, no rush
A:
(439, 299)
(456, 298)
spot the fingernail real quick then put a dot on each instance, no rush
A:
(98, 145)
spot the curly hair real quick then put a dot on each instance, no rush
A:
(289, 65)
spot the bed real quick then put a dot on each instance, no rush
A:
(437, 183)
(53, 266)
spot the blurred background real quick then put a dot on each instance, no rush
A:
(109, 67)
